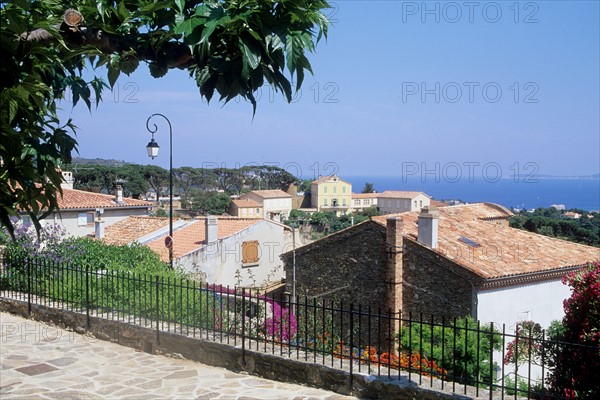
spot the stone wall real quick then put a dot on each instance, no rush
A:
(233, 358)
(435, 285)
(348, 266)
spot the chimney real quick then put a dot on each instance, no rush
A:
(67, 182)
(428, 226)
(394, 272)
(211, 229)
(119, 194)
(99, 225)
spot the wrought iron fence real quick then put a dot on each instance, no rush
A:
(457, 355)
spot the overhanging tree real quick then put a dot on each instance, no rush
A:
(229, 47)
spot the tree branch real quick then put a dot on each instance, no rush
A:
(172, 55)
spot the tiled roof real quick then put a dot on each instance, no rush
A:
(132, 228)
(496, 250)
(365, 195)
(400, 194)
(79, 199)
(192, 236)
(270, 194)
(328, 178)
(246, 203)
(438, 203)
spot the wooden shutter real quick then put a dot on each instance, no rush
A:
(250, 252)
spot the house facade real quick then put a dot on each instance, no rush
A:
(81, 212)
(361, 201)
(276, 204)
(246, 208)
(330, 193)
(242, 252)
(396, 201)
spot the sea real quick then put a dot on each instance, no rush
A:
(525, 194)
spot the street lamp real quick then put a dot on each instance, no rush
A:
(152, 149)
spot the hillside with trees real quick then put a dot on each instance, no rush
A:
(202, 190)
(575, 225)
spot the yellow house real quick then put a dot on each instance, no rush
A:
(330, 193)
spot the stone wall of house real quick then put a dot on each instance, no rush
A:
(435, 285)
(349, 266)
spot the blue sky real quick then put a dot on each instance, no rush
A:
(397, 85)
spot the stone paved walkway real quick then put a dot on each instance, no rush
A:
(38, 361)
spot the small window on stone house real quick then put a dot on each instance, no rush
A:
(250, 255)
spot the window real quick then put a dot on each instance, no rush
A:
(335, 189)
(343, 202)
(415, 204)
(421, 203)
(324, 189)
(85, 219)
(250, 252)
(334, 202)
(325, 202)
(343, 189)
(257, 211)
(244, 211)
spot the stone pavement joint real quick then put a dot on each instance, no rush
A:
(44, 362)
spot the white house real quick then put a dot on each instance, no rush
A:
(396, 201)
(220, 250)
(361, 201)
(276, 204)
(81, 212)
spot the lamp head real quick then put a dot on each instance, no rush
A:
(152, 148)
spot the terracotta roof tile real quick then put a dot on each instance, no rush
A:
(191, 237)
(328, 178)
(246, 203)
(79, 199)
(500, 251)
(270, 194)
(400, 194)
(132, 228)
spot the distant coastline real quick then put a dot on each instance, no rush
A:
(543, 191)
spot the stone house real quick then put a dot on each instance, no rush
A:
(221, 250)
(453, 261)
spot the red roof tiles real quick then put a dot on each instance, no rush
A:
(73, 199)
(192, 236)
(500, 251)
(132, 228)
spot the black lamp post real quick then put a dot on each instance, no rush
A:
(152, 149)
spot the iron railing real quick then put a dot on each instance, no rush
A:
(457, 355)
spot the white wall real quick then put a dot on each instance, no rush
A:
(68, 219)
(541, 302)
(282, 205)
(220, 262)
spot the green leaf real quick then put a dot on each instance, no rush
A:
(180, 5)
(251, 55)
(209, 28)
(184, 27)
(12, 110)
(157, 71)
(113, 75)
